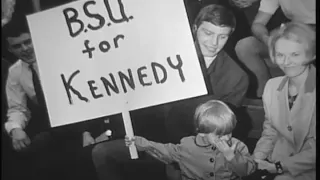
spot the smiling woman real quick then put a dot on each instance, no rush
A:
(299, 36)
(290, 57)
(288, 140)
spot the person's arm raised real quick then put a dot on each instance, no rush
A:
(259, 29)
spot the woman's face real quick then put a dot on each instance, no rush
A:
(291, 56)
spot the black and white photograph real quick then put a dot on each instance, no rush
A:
(158, 90)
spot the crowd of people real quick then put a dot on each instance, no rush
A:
(275, 62)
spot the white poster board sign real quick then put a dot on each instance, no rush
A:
(99, 57)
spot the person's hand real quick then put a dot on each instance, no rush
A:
(226, 150)
(129, 141)
(262, 164)
(259, 155)
(87, 139)
(20, 140)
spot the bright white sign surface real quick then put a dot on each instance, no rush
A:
(99, 57)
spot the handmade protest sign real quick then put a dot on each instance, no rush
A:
(98, 58)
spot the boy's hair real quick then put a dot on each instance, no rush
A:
(295, 31)
(217, 15)
(15, 27)
(214, 116)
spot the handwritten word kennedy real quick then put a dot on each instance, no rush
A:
(126, 79)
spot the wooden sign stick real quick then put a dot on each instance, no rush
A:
(129, 132)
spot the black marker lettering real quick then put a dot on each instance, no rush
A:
(143, 75)
(93, 89)
(155, 72)
(116, 39)
(95, 16)
(68, 87)
(104, 46)
(128, 79)
(178, 66)
(108, 85)
(73, 19)
(123, 15)
(88, 49)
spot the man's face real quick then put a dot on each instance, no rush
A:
(22, 47)
(211, 38)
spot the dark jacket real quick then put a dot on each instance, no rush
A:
(228, 81)
(225, 80)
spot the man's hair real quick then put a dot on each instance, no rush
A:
(17, 26)
(295, 31)
(217, 15)
(214, 116)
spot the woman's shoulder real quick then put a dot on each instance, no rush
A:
(273, 86)
(276, 82)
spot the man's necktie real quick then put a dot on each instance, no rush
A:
(43, 119)
(37, 87)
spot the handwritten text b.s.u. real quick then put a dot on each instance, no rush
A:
(76, 26)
